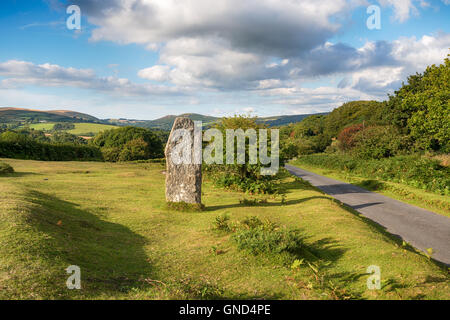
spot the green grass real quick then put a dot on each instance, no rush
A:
(415, 196)
(85, 128)
(80, 128)
(47, 126)
(112, 221)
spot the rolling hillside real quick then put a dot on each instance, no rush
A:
(45, 118)
(8, 115)
(165, 123)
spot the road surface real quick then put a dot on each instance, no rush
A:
(421, 228)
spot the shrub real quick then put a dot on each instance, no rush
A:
(260, 240)
(5, 168)
(378, 142)
(263, 185)
(136, 149)
(346, 136)
(222, 223)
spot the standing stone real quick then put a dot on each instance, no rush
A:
(183, 180)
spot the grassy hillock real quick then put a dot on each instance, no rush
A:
(130, 245)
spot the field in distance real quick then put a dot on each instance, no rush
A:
(129, 245)
(80, 128)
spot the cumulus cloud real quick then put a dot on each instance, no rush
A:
(224, 46)
(258, 49)
(253, 25)
(410, 55)
(250, 45)
(402, 8)
(20, 73)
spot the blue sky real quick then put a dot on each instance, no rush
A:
(145, 58)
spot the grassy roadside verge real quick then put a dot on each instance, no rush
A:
(427, 200)
(129, 245)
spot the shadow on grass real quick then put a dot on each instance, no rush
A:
(20, 174)
(287, 187)
(111, 256)
(393, 238)
(268, 204)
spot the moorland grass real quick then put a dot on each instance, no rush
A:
(111, 219)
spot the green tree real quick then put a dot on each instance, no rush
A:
(421, 107)
(113, 142)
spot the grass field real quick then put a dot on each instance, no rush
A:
(112, 221)
(80, 128)
(418, 197)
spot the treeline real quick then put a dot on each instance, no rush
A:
(21, 146)
(122, 144)
(415, 119)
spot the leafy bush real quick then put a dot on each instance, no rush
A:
(222, 223)
(263, 185)
(378, 142)
(5, 168)
(346, 136)
(260, 240)
(136, 149)
(128, 144)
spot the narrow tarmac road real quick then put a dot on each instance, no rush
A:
(421, 228)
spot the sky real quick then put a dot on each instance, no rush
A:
(144, 59)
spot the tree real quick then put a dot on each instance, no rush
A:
(243, 176)
(146, 144)
(422, 107)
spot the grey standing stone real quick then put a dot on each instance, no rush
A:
(183, 180)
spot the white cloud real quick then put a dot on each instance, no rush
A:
(261, 50)
(411, 55)
(156, 73)
(402, 8)
(21, 73)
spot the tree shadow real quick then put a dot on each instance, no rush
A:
(348, 188)
(263, 204)
(286, 187)
(20, 174)
(111, 256)
(342, 188)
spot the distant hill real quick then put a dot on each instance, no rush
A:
(165, 123)
(8, 115)
(284, 120)
(24, 116)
